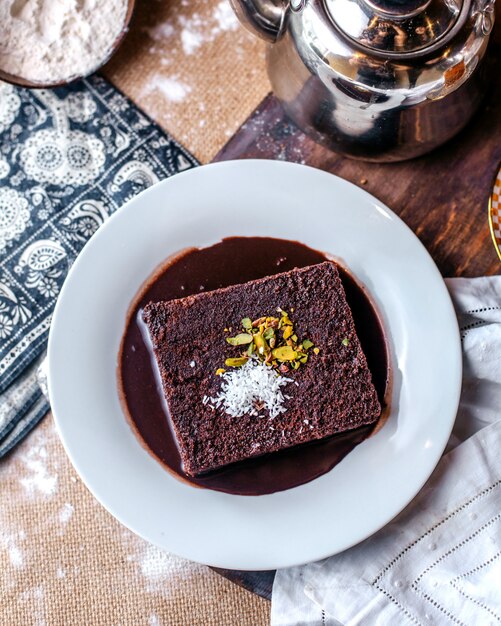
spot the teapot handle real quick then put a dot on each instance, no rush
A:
(265, 18)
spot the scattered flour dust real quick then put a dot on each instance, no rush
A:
(34, 599)
(156, 564)
(198, 29)
(160, 570)
(60, 573)
(9, 543)
(66, 513)
(225, 16)
(172, 88)
(190, 34)
(52, 40)
(37, 479)
(161, 31)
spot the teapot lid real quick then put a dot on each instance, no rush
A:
(395, 27)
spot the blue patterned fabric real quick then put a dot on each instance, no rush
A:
(69, 158)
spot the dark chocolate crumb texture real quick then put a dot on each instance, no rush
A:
(331, 393)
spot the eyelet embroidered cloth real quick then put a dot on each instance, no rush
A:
(69, 158)
(439, 561)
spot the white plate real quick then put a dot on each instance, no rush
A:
(198, 208)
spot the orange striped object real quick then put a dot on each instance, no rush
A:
(495, 213)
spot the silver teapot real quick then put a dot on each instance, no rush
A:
(379, 80)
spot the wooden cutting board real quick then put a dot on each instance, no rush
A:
(443, 196)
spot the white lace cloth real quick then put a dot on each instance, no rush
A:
(439, 561)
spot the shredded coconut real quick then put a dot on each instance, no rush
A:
(52, 40)
(249, 389)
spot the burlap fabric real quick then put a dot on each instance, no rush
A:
(64, 561)
(193, 68)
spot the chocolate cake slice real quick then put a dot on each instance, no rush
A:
(330, 393)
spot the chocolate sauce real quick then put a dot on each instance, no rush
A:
(233, 261)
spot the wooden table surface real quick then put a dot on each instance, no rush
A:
(442, 196)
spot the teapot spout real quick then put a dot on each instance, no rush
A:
(265, 18)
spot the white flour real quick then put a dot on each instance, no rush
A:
(162, 572)
(66, 513)
(9, 544)
(54, 40)
(172, 88)
(37, 479)
(197, 29)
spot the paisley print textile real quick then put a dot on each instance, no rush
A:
(69, 158)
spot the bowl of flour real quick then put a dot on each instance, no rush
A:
(44, 43)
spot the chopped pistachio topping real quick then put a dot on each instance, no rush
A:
(247, 323)
(272, 340)
(237, 362)
(346, 341)
(285, 353)
(241, 339)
